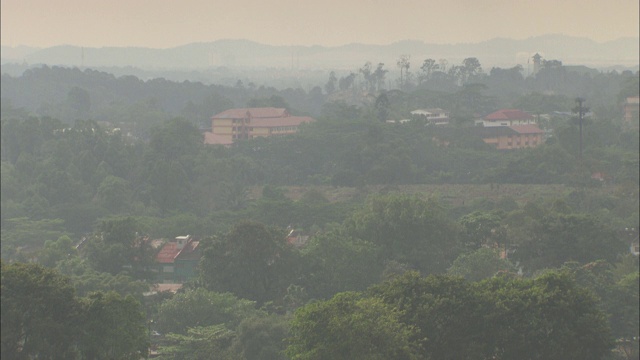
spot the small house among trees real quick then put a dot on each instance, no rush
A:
(434, 116)
(177, 260)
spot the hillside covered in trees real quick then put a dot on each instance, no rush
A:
(421, 241)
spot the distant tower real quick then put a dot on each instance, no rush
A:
(537, 63)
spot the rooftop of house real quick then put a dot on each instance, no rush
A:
(172, 250)
(190, 251)
(508, 114)
(243, 113)
(168, 253)
(428, 111)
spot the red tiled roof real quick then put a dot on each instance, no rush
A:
(267, 112)
(213, 139)
(527, 129)
(168, 252)
(508, 114)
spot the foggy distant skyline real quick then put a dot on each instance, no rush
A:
(170, 23)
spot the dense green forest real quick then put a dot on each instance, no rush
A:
(424, 242)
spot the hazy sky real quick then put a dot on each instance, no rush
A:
(168, 23)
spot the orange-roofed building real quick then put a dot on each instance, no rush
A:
(512, 137)
(507, 117)
(248, 123)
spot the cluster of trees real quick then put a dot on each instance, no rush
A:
(505, 87)
(437, 317)
(252, 283)
(82, 173)
(136, 105)
(383, 274)
(43, 318)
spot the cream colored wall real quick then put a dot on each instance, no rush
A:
(260, 131)
(222, 122)
(221, 126)
(222, 130)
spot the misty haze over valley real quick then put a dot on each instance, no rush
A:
(224, 61)
(197, 180)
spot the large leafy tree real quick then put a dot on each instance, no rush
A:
(113, 327)
(42, 318)
(262, 338)
(480, 264)
(549, 317)
(55, 251)
(447, 313)
(407, 229)
(39, 313)
(170, 160)
(116, 247)
(333, 262)
(617, 294)
(558, 238)
(22, 237)
(252, 261)
(480, 228)
(199, 343)
(201, 307)
(350, 326)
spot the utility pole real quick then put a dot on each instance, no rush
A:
(581, 111)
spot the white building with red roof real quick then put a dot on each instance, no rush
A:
(248, 123)
(508, 117)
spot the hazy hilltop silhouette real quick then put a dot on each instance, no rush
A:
(500, 52)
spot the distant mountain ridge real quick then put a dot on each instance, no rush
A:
(500, 52)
